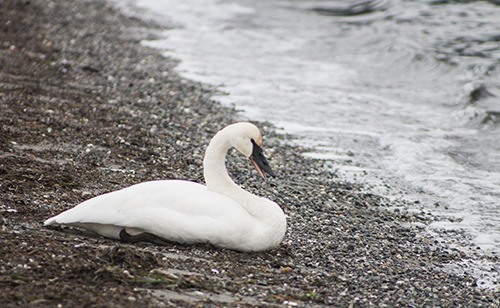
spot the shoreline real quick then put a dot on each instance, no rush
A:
(86, 109)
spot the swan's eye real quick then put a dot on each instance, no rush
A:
(257, 142)
(257, 150)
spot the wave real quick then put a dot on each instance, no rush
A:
(340, 8)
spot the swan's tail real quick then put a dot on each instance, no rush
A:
(50, 221)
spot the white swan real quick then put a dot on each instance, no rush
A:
(220, 213)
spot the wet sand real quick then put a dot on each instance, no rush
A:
(84, 109)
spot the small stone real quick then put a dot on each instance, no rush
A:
(286, 270)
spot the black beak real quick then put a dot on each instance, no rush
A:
(260, 162)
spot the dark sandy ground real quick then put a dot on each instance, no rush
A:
(85, 110)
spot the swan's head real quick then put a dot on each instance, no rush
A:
(247, 139)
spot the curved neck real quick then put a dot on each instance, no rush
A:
(270, 222)
(215, 172)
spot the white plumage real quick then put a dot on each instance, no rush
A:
(221, 213)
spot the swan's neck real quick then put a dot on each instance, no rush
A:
(272, 226)
(215, 172)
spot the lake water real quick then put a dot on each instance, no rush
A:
(403, 96)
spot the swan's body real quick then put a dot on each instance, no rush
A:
(221, 213)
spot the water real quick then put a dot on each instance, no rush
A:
(401, 95)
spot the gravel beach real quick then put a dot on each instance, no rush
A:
(84, 109)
